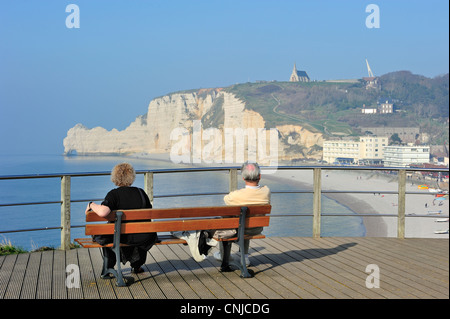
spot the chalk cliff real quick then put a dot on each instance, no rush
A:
(208, 123)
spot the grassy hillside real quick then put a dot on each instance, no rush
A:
(335, 108)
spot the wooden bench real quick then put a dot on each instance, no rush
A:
(177, 219)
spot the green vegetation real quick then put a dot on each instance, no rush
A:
(258, 97)
(6, 248)
(334, 108)
(313, 105)
(417, 94)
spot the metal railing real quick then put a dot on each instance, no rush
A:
(317, 191)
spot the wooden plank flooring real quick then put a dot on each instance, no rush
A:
(284, 267)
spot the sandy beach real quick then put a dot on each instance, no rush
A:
(378, 203)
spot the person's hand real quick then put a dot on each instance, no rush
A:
(88, 208)
(100, 210)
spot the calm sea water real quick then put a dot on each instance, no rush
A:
(88, 188)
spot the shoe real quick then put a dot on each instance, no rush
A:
(138, 270)
(107, 276)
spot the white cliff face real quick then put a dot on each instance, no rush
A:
(151, 133)
(170, 112)
(147, 134)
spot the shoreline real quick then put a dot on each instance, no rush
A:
(374, 226)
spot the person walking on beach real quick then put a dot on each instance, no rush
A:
(124, 197)
(252, 194)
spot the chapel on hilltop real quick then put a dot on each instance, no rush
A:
(299, 76)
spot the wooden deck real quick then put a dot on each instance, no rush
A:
(285, 268)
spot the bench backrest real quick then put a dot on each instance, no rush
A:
(179, 219)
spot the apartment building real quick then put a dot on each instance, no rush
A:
(403, 156)
(372, 147)
(368, 150)
(341, 151)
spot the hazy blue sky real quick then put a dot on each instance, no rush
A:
(126, 53)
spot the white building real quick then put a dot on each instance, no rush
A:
(372, 149)
(368, 110)
(340, 151)
(386, 107)
(402, 156)
(368, 150)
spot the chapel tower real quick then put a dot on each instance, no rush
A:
(298, 76)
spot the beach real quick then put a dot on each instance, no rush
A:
(378, 203)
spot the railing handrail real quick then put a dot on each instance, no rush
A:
(317, 191)
(203, 169)
(226, 168)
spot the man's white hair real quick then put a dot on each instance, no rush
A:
(250, 171)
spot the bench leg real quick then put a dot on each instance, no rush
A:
(242, 265)
(119, 275)
(116, 249)
(241, 232)
(225, 252)
(105, 269)
(108, 270)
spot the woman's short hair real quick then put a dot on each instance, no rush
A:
(123, 174)
(250, 171)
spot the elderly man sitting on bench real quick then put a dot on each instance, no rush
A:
(252, 194)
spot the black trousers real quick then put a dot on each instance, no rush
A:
(136, 253)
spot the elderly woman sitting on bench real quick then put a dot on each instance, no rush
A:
(124, 197)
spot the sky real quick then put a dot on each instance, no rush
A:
(122, 54)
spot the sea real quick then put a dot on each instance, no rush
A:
(94, 188)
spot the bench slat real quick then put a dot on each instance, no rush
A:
(164, 240)
(176, 225)
(182, 212)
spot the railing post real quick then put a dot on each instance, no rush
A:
(148, 185)
(233, 179)
(317, 188)
(401, 203)
(65, 212)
